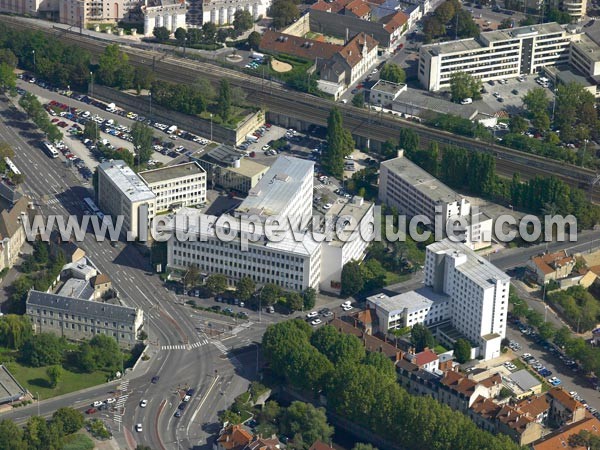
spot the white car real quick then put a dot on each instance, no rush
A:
(266, 147)
(96, 404)
(139, 428)
(187, 398)
(346, 303)
(143, 403)
(347, 307)
(315, 322)
(312, 315)
(573, 394)
(110, 401)
(327, 206)
(349, 157)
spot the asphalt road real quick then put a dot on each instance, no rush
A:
(180, 354)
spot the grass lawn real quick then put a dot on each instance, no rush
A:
(237, 114)
(35, 380)
(78, 441)
(439, 349)
(393, 278)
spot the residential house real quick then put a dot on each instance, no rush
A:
(426, 360)
(233, 437)
(287, 44)
(320, 445)
(559, 440)
(551, 266)
(564, 409)
(101, 284)
(353, 61)
(261, 443)
(383, 93)
(459, 392)
(523, 384)
(12, 232)
(536, 407)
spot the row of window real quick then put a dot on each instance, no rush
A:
(84, 328)
(79, 318)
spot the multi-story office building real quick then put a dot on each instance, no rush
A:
(576, 8)
(177, 186)
(412, 191)
(291, 261)
(121, 192)
(76, 319)
(286, 190)
(585, 56)
(495, 55)
(422, 306)
(478, 293)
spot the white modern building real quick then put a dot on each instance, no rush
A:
(352, 245)
(495, 55)
(291, 262)
(222, 12)
(163, 13)
(121, 192)
(478, 293)
(286, 190)
(422, 306)
(177, 186)
(412, 191)
(383, 93)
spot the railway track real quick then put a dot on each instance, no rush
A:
(277, 99)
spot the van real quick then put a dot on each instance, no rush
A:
(172, 129)
(270, 309)
(466, 101)
(252, 138)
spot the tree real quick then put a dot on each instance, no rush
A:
(143, 77)
(180, 36)
(339, 144)
(546, 330)
(392, 72)
(91, 131)
(8, 57)
(517, 124)
(421, 337)
(14, 331)
(71, 420)
(254, 39)
(408, 140)
(462, 350)
(209, 31)
(54, 374)
(294, 301)
(338, 347)
(216, 283)
(224, 100)
(309, 297)
(304, 422)
(194, 36)
(432, 28)
(283, 13)
(192, 276)
(11, 436)
(8, 78)
(141, 135)
(269, 412)
(361, 446)
(466, 26)
(222, 35)
(352, 279)
(505, 23)
(242, 20)
(106, 352)
(161, 34)
(463, 85)
(445, 12)
(358, 100)
(270, 294)
(43, 349)
(245, 288)
(42, 435)
(536, 101)
(114, 68)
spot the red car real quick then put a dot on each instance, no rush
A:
(54, 120)
(252, 154)
(268, 125)
(91, 411)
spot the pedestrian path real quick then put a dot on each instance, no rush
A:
(120, 404)
(185, 346)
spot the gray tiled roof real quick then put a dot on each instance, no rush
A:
(83, 307)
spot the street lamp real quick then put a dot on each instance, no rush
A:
(211, 127)
(33, 53)
(150, 100)
(91, 84)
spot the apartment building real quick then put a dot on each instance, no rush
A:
(121, 192)
(222, 12)
(585, 56)
(177, 186)
(495, 55)
(77, 319)
(290, 261)
(163, 13)
(80, 13)
(576, 8)
(478, 294)
(286, 190)
(412, 191)
(423, 306)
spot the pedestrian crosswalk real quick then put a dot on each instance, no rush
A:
(223, 349)
(119, 408)
(220, 346)
(52, 201)
(185, 346)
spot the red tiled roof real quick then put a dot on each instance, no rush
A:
(534, 406)
(513, 418)
(273, 41)
(371, 343)
(318, 445)
(560, 439)
(394, 21)
(358, 7)
(424, 357)
(491, 381)
(365, 316)
(485, 407)
(563, 397)
(352, 51)
(458, 383)
(548, 262)
(234, 437)
(333, 7)
(264, 444)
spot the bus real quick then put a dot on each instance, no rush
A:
(11, 166)
(91, 206)
(49, 149)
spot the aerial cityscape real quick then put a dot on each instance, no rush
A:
(276, 224)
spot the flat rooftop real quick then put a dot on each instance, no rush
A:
(76, 287)
(568, 75)
(203, 226)
(128, 182)
(416, 300)
(476, 268)
(248, 168)
(171, 172)
(421, 180)
(524, 380)
(587, 46)
(387, 86)
(354, 211)
(278, 187)
(489, 37)
(220, 154)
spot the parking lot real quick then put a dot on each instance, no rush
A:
(511, 93)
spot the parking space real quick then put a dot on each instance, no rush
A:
(508, 96)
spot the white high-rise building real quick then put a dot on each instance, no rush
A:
(478, 293)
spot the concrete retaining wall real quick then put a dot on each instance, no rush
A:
(300, 27)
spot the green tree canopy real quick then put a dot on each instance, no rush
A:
(462, 350)
(161, 34)
(283, 13)
(339, 144)
(43, 349)
(352, 279)
(463, 85)
(141, 135)
(392, 72)
(421, 337)
(305, 422)
(70, 419)
(242, 20)
(216, 283)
